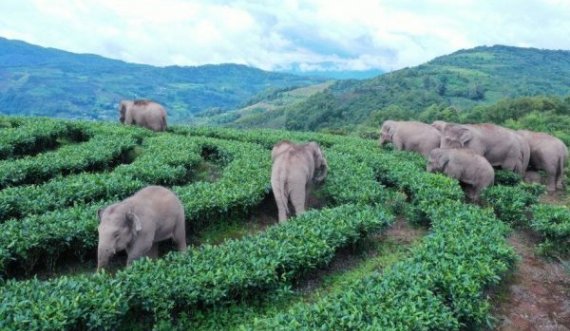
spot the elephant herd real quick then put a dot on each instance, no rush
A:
(468, 152)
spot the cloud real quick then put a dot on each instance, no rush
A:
(276, 35)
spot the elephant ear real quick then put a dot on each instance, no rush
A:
(389, 129)
(133, 221)
(100, 213)
(321, 165)
(443, 160)
(465, 135)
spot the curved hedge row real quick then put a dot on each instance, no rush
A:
(32, 136)
(99, 153)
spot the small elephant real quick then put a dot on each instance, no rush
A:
(473, 171)
(138, 223)
(410, 136)
(145, 113)
(500, 146)
(294, 169)
(547, 153)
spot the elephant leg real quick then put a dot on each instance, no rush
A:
(140, 248)
(472, 193)
(153, 252)
(281, 202)
(298, 200)
(551, 182)
(559, 181)
(179, 239)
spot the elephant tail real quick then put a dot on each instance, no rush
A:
(560, 167)
(280, 189)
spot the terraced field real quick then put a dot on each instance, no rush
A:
(338, 266)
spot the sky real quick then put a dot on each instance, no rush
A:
(282, 35)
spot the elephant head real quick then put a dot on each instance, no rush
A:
(455, 136)
(321, 166)
(123, 106)
(437, 160)
(281, 147)
(387, 132)
(118, 228)
(439, 125)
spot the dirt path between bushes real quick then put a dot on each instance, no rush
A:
(536, 297)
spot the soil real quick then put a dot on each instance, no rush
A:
(537, 295)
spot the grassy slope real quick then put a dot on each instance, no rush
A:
(267, 110)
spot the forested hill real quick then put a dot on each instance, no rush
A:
(50, 82)
(464, 79)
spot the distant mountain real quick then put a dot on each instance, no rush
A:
(338, 74)
(446, 85)
(49, 82)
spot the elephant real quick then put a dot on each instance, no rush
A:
(138, 223)
(145, 113)
(547, 153)
(502, 147)
(295, 168)
(472, 170)
(410, 136)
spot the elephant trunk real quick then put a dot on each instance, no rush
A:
(321, 172)
(104, 254)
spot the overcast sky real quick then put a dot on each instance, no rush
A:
(280, 34)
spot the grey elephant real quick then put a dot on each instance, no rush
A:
(295, 167)
(547, 153)
(502, 147)
(410, 136)
(145, 113)
(138, 223)
(471, 169)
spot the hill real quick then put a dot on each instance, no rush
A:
(50, 82)
(268, 109)
(461, 80)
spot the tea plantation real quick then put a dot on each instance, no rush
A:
(55, 175)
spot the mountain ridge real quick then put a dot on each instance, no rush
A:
(462, 80)
(44, 81)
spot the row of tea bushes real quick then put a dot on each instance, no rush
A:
(265, 137)
(99, 153)
(553, 224)
(32, 136)
(207, 275)
(519, 205)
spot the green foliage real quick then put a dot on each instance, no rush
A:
(553, 224)
(512, 203)
(507, 177)
(31, 137)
